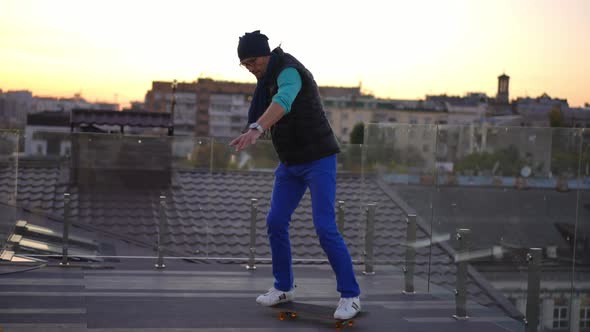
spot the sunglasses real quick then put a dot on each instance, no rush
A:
(248, 63)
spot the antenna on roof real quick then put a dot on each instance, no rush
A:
(172, 105)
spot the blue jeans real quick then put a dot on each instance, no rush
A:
(290, 184)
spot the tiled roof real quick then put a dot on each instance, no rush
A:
(136, 119)
(49, 118)
(208, 215)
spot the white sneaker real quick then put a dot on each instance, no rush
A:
(347, 308)
(275, 296)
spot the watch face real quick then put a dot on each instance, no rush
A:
(256, 126)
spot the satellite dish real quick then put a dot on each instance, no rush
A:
(525, 171)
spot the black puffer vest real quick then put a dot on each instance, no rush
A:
(304, 134)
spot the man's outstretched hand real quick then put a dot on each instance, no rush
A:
(246, 139)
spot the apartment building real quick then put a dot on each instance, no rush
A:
(202, 108)
(221, 106)
(160, 99)
(344, 112)
(228, 114)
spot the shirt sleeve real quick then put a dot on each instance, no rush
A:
(289, 82)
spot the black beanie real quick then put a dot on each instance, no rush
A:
(253, 44)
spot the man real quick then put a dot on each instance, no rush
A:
(287, 102)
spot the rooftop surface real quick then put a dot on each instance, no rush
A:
(132, 295)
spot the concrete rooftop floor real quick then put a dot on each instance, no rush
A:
(134, 296)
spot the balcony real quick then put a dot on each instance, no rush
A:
(451, 228)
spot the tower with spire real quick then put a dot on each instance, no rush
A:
(502, 97)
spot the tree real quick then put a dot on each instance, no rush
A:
(357, 134)
(507, 159)
(556, 117)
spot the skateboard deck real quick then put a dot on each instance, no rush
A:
(292, 310)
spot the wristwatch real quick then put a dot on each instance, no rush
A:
(256, 126)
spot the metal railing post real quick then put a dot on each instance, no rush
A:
(161, 228)
(531, 320)
(341, 217)
(410, 264)
(370, 230)
(253, 213)
(66, 233)
(463, 236)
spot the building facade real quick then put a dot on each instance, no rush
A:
(14, 107)
(535, 111)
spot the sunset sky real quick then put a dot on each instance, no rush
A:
(112, 50)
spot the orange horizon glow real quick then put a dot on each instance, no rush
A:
(112, 51)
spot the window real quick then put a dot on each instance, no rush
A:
(585, 317)
(560, 317)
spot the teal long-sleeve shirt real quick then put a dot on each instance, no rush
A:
(289, 83)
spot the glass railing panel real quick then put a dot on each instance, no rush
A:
(101, 191)
(187, 200)
(563, 215)
(499, 192)
(579, 306)
(350, 159)
(122, 197)
(43, 174)
(117, 185)
(240, 187)
(350, 215)
(398, 176)
(9, 149)
(476, 169)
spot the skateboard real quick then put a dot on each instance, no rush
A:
(292, 310)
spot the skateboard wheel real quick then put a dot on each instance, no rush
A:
(281, 316)
(293, 315)
(338, 326)
(351, 323)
